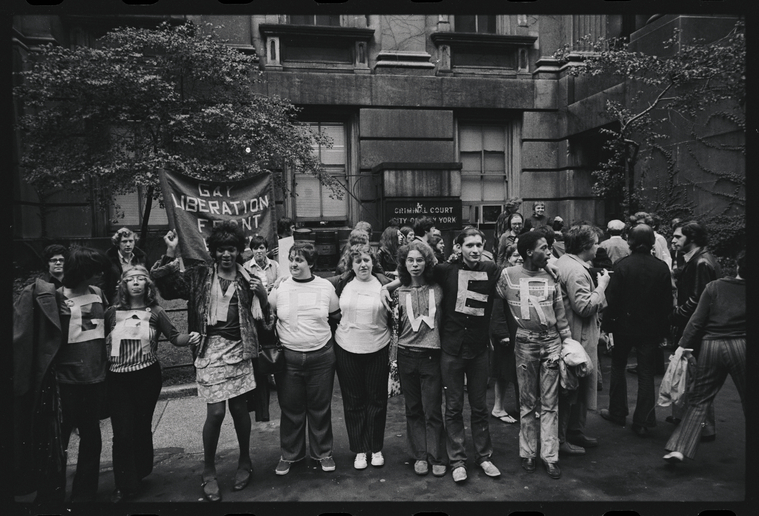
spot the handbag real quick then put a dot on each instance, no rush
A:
(271, 357)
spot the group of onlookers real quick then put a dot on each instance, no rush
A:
(531, 313)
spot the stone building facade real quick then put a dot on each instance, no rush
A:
(448, 115)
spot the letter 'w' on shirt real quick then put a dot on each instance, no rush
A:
(463, 293)
(83, 327)
(416, 321)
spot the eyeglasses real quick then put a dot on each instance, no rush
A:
(56, 260)
(140, 277)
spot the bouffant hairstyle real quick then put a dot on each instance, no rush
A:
(527, 242)
(53, 250)
(227, 233)
(122, 293)
(122, 233)
(362, 224)
(83, 263)
(358, 236)
(429, 261)
(579, 238)
(695, 233)
(357, 250)
(305, 250)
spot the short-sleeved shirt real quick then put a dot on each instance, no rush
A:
(303, 308)
(467, 305)
(82, 358)
(420, 315)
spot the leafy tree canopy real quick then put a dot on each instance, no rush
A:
(687, 86)
(141, 100)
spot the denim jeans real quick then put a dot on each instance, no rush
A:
(645, 349)
(421, 384)
(304, 390)
(453, 370)
(537, 356)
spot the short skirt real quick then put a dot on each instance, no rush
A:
(221, 372)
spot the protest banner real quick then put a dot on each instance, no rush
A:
(195, 206)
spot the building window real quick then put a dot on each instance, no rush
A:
(132, 206)
(481, 23)
(485, 160)
(332, 20)
(312, 201)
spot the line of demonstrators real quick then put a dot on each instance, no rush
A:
(531, 314)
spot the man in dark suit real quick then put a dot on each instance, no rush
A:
(639, 300)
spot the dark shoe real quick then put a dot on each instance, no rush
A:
(211, 490)
(633, 369)
(708, 438)
(568, 448)
(673, 420)
(242, 477)
(528, 465)
(604, 413)
(583, 440)
(641, 431)
(552, 468)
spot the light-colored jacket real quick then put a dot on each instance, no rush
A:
(582, 304)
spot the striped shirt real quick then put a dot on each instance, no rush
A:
(132, 339)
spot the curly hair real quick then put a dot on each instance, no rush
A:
(122, 293)
(429, 262)
(357, 250)
(122, 233)
(227, 233)
(52, 250)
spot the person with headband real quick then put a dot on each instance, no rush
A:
(134, 380)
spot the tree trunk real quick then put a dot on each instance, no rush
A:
(146, 218)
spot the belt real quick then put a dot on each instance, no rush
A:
(415, 350)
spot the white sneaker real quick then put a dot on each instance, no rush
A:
(459, 474)
(377, 459)
(360, 462)
(490, 469)
(674, 457)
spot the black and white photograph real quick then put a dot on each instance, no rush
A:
(344, 260)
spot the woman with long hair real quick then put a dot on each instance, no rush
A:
(134, 379)
(388, 249)
(362, 352)
(417, 318)
(223, 303)
(502, 336)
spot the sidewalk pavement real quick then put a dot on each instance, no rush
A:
(623, 468)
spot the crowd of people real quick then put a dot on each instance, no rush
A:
(535, 312)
